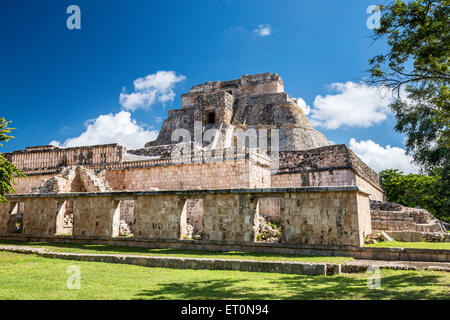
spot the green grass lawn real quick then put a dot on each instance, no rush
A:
(98, 248)
(31, 277)
(419, 245)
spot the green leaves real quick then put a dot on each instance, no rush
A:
(416, 67)
(416, 190)
(4, 130)
(8, 171)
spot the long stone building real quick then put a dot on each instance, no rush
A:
(245, 134)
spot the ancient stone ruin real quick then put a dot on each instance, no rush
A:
(406, 224)
(253, 170)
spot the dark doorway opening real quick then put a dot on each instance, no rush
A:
(211, 117)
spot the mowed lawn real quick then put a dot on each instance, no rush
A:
(106, 249)
(27, 276)
(418, 245)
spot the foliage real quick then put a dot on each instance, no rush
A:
(417, 190)
(415, 245)
(8, 171)
(416, 68)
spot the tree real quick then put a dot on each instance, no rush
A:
(8, 171)
(416, 68)
(417, 190)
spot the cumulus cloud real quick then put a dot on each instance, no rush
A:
(380, 158)
(263, 30)
(353, 105)
(305, 107)
(154, 87)
(112, 128)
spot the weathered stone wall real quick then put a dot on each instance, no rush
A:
(4, 217)
(40, 216)
(325, 166)
(48, 158)
(262, 83)
(270, 207)
(158, 217)
(313, 216)
(399, 218)
(26, 185)
(340, 177)
(334, 165)
(194, 214)
(93, 216)
(229, 217)
(230, 174)
(375, 192)
(127, 211)
(256, 101)
(325, 218)
(364, 216)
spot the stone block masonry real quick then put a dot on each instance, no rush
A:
(51, 158)
(406, 224)
(316, 216)
(287, 267)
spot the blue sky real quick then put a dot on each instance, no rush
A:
(54, 80)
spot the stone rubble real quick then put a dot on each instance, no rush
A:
(266, 232)
(74, 179)
(124, 229)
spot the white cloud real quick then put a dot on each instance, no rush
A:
(112, 128)
(302, 104)
(379, 158)
(353, 105)
(233, 30)
(263, 30)
(152, 88)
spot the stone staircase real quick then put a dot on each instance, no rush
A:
(405, 224)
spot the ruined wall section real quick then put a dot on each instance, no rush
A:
(176, 119)
(326, 166)
(257, 102)
(245, 85)
(325, 218)
(51, 159)
(73, 179)
(403, 223)
(313, 216)
(26, 185)
(362, 169)
(230, 174)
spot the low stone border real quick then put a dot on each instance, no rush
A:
(370, 253)
(287, 267)
(363, 265)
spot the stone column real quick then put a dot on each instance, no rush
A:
(93, 216)
(39, 216)
(4, 217)
(229, 217)
(158, 216)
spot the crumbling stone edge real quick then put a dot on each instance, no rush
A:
(285, 267)
(288, 267)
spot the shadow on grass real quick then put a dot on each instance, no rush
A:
(300, 288)
(99, 248)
